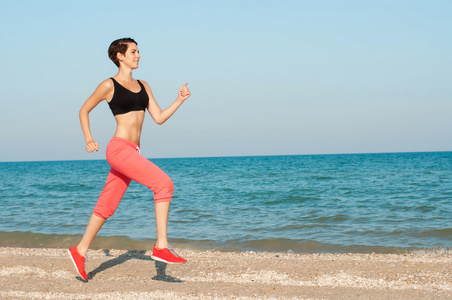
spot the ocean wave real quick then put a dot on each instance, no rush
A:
(39, 240)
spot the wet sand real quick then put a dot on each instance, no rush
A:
(33, 273)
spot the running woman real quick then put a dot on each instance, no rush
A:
(128, 99)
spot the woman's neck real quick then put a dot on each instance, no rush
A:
(124, 75)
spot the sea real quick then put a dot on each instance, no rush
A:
(347, 203)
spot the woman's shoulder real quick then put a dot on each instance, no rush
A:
(146, 85)
(107, 84)
(105, 88)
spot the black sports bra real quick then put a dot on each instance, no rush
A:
(124, 100)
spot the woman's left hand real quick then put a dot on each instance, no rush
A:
(184, 93)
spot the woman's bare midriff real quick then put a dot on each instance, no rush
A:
(129, 126)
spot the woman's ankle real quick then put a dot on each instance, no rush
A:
(82, 251)
(161, 245)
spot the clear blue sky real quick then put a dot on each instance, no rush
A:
(267, 77)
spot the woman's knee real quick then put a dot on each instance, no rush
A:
(104, 212)
(164, 191)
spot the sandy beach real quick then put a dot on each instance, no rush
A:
(34, 273)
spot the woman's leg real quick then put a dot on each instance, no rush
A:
(94, 225)
(145, 172)
(140, 169)
(161, 221)
(109, 199)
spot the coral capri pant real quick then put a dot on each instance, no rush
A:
(128, 164)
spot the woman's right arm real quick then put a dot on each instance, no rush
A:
(103, 91)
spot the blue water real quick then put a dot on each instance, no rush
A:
(317, 203)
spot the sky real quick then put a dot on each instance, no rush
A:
(266, 77)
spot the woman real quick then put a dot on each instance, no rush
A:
(128, 98)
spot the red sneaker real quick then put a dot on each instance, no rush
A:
(79, 261)
(167, 255)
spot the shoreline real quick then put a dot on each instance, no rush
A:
(61, 241)
(36, 273)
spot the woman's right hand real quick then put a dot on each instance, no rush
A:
(91, 146)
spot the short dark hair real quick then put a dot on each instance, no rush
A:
(120, 45)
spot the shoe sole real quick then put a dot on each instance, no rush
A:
(165, 261)
(75, 265)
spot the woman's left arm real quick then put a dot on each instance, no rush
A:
(160, 116)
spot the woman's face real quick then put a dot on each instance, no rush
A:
(131, 57)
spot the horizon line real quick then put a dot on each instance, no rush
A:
(238, 156)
